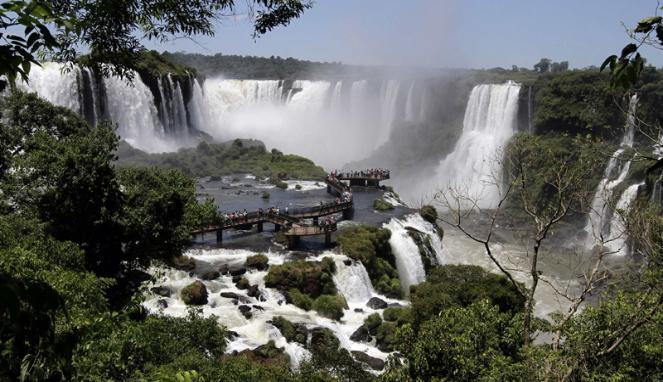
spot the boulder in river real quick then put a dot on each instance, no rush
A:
(376, 303)
(161, 291)
(194, 293)
(373, 362)
(361, 335)
(253, 291)
(211, 275)
(237, 271)
(246, 311)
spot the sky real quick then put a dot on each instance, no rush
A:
(439, 33)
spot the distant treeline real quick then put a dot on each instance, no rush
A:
(251, 67)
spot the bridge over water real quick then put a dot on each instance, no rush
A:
(291, 223)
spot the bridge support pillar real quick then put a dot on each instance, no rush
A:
(328, 238)
(259, 225)
(357, 182)
(293, 241)
(219, 236)
(348, 213)
(277, 227)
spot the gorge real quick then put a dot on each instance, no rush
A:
(449, 132)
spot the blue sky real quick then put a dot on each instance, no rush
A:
(442, 33)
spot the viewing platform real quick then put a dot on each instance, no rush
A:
(366, 178)
(291, 222)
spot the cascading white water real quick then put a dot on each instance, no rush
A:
(55, 83)
(310, 118)
(600, 213)
(96, 113)
(132, 107)
(255, 331)
(618, 234)
(409, 104)
(389, 105)
(408, 259)
(473, 165)
(353, 281)
(197, 107)
(336, 103)
(179, 109)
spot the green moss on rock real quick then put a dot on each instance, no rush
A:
(330, 306)
(381, 205)
(291, 332)
(259, 262)
(298, 299)
(370, 245)
(309, 277)
(372, 323)
(399, 314)
(194, 293)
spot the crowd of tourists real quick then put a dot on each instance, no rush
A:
(370, 173)
(327, 222)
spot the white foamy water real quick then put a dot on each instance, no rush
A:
(618, 233)
(473, 166)
(351, 280)
(408, 260)
(305, 185)
(55, 84)
(600, 214)
(130, 105)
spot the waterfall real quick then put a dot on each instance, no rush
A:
(179, 110)
(132, 107)
(489, 123)
(408, 260)
(197, 107)
(600, 213)
(352, 281)
(618, 234)
(409, 104)
(336, 98)
(141, 122)
(55, 83)
(389, 98)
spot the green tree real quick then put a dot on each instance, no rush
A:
(474, 343)
(112, 30)
(543, 66)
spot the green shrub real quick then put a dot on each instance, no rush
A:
(386, 338)
(370, 245)
(372, 322)
(397, 314)
(290, 331)
(279, 183)
(330, 306)
(265, 195)
(429, 213)
(461, 285)
(259, 262)
(309, 277)
(299, 299)
(381, 205)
